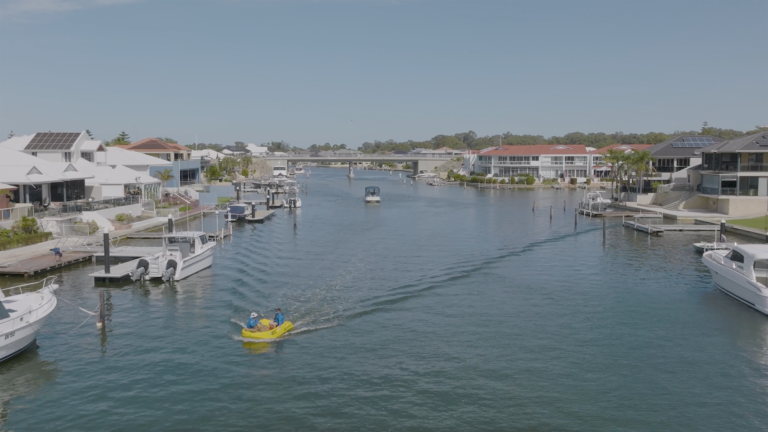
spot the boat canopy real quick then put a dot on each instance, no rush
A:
(372, 191)
(238, 209)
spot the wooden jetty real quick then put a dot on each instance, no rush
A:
(129, 252)
(259, 216)
(656, 229)
(44, 263)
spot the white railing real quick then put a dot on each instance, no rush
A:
(16, 212)
(20, 289)
(165, 212)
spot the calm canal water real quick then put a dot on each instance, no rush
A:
(442, 308)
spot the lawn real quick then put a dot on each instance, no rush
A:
(760, 222)
(223, 200)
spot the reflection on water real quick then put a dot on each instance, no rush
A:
(23, 375)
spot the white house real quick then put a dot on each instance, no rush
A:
(256, 150)
(57, 146)
(542, 161)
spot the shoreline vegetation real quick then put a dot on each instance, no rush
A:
(471, 141)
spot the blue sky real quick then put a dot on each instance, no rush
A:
(362, 70)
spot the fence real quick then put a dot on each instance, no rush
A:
(64, 209)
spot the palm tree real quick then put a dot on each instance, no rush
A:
(616, 159)
(641, 163)
(164, 176)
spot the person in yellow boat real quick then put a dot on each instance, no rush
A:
(254, 325)
(279, 319)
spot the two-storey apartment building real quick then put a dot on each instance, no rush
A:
(541, 161)
(737, 167)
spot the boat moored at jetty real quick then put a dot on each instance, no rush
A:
(237, 211)
(22, 315)
(742, 273)
(184, 253)
(372, 195)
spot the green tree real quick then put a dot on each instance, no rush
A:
(90, 135)
(168, 140)
(212, 173)
(164, 176)
(124, 137)
(10, 135)
(239, 145)
(616, 160)
(641, 163)
(228, 164)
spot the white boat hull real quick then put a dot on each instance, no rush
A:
(14, 340)
(195, 264)
(372, 200)
(736, 285)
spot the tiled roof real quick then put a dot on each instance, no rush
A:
(154, 144)
(623, 147)
(536, 150)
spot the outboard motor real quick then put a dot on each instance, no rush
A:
(141, 269)
(170, 271)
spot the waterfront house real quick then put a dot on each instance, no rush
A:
(675, 160)
(186, 171)
(542, 161)
(57, 146)
(733, 176)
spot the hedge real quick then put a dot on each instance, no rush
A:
(20, 240)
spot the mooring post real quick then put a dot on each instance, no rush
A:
(563, 206)
(170, 224)
(534, 207)
(253, 209)
(102, 311)
(603, 231)
(722, 230)
(575, 218)
(106, 251)
(550, 214)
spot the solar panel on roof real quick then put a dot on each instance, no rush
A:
(52, 141)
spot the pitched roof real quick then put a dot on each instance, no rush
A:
(536, 150)
(668, 148)
(154, 144)
(754, 142)
(118, 155)
(624, 147)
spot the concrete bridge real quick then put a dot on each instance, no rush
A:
(418, 162)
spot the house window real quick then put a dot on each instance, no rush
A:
(683, 163)
(534, 158)
(67, 157)
(87, 156)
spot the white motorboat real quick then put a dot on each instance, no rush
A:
(237, 211)
(742, 273)
(423, 175)
(299, 169)
(294, 202)
(596, 198)
(184, 253)
(372, 195)
(23, 313)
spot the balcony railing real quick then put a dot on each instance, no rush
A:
(754, 167)
(70, 208)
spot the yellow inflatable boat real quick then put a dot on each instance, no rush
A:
(269, 334)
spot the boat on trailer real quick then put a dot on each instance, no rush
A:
(23, 313)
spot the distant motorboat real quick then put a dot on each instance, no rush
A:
(184, 253)
(299, 170)
(372, 195)
(22, 315)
